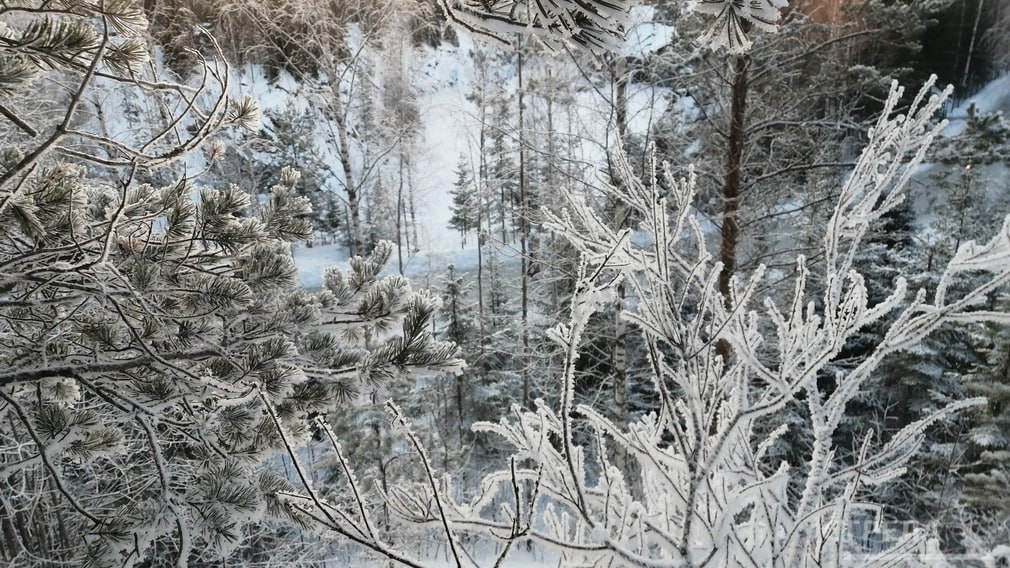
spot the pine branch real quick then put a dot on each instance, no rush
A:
(29, 374)
(22, 124)
(404, 425)
(75, 100)
(323, 508)
(41, 447)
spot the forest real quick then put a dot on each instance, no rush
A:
(504, 283)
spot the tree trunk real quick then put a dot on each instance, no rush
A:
(401, 216)
(524, 235)
(413, 211)
(619, 355)
(730, 230)
(482, 180)
(350, 188)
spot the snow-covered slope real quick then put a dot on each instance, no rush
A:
(994, 97)
(444, 80)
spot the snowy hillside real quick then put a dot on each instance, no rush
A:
(444, 80)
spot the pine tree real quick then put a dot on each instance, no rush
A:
(502, 171)
(464, 202)
(771, 132)
(963, 195)
(155, 348)
(984, 139)
(460, 327)
(292, 136)
(911, 384)
(985, 471)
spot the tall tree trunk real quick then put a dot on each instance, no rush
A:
(481, 185)
(971, 43)
(399, 221)
(619, 354)
(413, 210)
(350, 188)
(524, 235)
(503, 208)
(730, 230)
(402, 225)
(455, 336)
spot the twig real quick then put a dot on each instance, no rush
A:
(18, 121)
(405, 425)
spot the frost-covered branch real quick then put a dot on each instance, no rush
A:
(703, 488)
(600, 25)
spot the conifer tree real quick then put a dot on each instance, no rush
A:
(291, 145)
(910, 384)
(459, 327)
(155, 348)
(464, 201)
(963, 197)
(985, 468)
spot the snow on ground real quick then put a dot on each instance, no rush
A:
(644, 35)
(994, 97)
(443, 78)
(313, 261)
(444, 81)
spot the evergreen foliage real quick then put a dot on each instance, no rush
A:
(170, 396)
(156, 350)
(985, 139)
(595, 24)
(599, 25)
(911, 384)
(986, 471)
(292, 136)
(464, 202)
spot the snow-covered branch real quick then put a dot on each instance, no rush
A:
(703, 488)
(600, 25)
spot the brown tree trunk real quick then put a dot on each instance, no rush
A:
(730, 230)
(401, 218)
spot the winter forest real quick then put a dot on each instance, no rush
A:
(504, 283)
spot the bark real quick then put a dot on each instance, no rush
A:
(524, 235)
(401, 216)
(730, 230)
(482, 175)
(619, 355)
(350, 188)
(413, 211)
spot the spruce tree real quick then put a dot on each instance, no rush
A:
(464, 201)
(292, 134)
(910, 384)
(986, 474)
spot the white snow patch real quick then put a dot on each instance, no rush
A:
(994, 97)
(645, 35)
